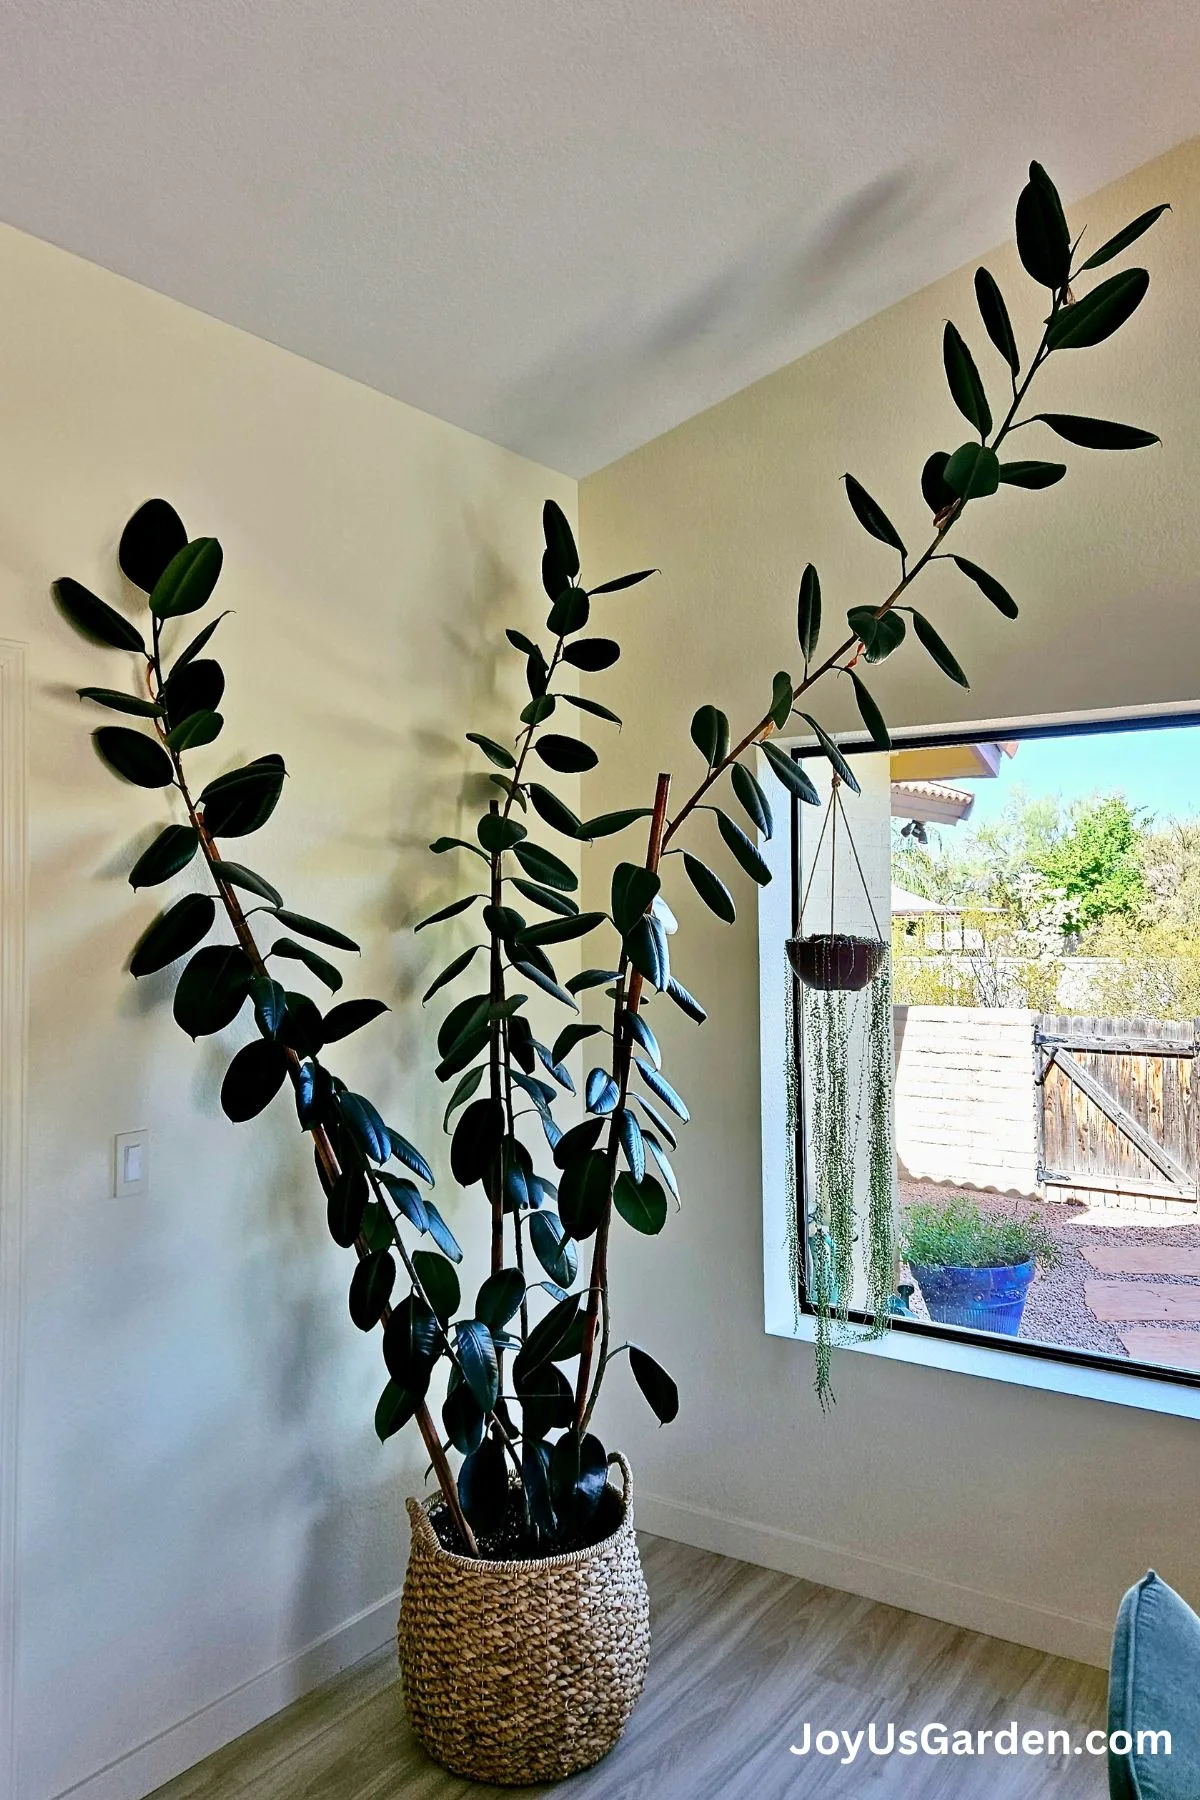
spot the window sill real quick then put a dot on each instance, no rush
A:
(1111, 1386)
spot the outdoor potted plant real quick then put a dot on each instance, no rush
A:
(974, 1266)
(523, 1633)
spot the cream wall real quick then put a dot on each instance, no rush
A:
(206, 1519)
(1020, 1512)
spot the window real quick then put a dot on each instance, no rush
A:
(1039, 891)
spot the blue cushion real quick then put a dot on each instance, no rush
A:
(1154, 1686)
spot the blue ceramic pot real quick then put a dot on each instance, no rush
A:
(980, 1299)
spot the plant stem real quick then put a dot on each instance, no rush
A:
(629, 996)
(321, 1140)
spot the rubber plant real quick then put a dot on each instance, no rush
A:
(614, 1160)
(524, 1427)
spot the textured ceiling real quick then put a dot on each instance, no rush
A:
(565, 224)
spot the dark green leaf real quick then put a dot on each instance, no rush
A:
(1098, 314)
(412, 1343)
(641, 1204)
(963, 380)
(238, 803)
(270, 1004)
(1097, 434)
(601, 1092)
(150, 539)
(880, 633)
(538, 709)
(560, 549)
(794, 779)
(123, 703)
(659, 1085)
(535, 1484)
(590, 978)
(1032, 474)
(633, 889)
(451, 971)
(608, 824)
(365, 1126)
(687, 1003)
(537, 674)
(476, 1141)
(1128, 235)
(198, 729)
(545, 1342)
(503, 759)
(238, 876)
(94, 617)
(710, 734)
(483, 1486)
(939, 651)
(440, 846)
(583, 1195)
(591, 655)
(350, 1016)
(710, 887)
(870, 714)
(808, 613)
(253, 1079)
(939, 496)
(377, 1231)
(396, 1407)
(314, 1101)
(655, 1384)
(409, 1155)
(441, 1233)
(578, 1478)
(439, 1281)
(347, 1204)
(138, 759)
(568, 756)
(196, 646)
(196, 687)
(477, 1354)
(171, 851)
(659, 1154)
(642, 1034)
(520, 642)
(840, 765)
(556, 814)
(1043, 240)
(463, 1018)
(173, 934)
(570, 612)
(500, 1298)
(498, 834)
(324, 971)
(545, 867)
(464, 1423)
(448, 912)
(554, 1250)
(546, 898)
(871, 515)
(999, 596)
(187, 582)
(973, 472)
(996, 321)
(560, 931)
(462, 1092)
(312, 928)
(577, 1142)
(749, 791)
(212, 989)
(647, 949)
(407, 1198)
(371, 1289)
(512, 790)
(782, 695)
(593, 707)
(623, 581)
(633, 1145)
(539, 979)
(657, 1119)
(301, 1029)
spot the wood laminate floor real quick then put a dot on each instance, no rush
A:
(742, 1658)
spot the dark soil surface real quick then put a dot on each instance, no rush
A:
(514, 1543)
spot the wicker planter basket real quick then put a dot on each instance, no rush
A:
(520, 1672)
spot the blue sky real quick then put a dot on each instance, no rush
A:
(1158, 770)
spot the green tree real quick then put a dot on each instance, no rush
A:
(1096, 858)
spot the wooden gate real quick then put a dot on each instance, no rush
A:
(1120, 1108)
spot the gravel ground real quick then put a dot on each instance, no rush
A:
(1056, 1311)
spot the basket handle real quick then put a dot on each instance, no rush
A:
(420, 1525)
(614, 1456)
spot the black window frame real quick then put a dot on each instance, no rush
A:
(935, 739)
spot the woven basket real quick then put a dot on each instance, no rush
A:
(519, 1672)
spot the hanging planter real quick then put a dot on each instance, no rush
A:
(832, 960)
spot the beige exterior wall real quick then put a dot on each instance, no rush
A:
(965, 1097)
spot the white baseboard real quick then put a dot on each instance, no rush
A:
(211, 1727)
(894, 1584)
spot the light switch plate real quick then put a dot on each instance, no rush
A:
(131, 1164)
